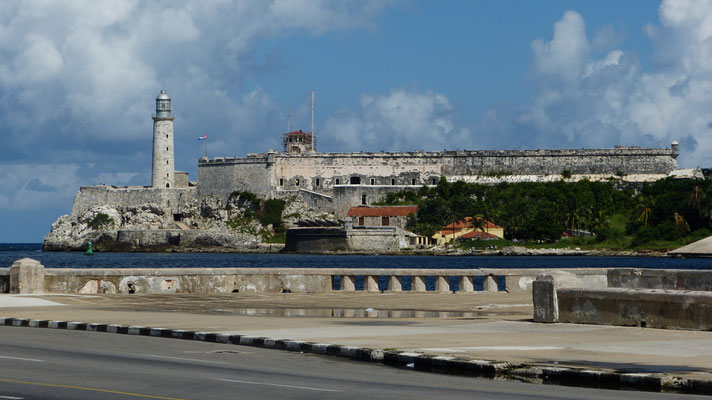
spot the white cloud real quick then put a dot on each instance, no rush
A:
(403, 119)
(587, 99)
(78, 81)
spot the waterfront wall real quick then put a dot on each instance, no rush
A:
(666, 299)
(315, 280)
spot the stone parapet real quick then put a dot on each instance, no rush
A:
(26, 277)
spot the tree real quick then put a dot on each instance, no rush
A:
(695, 197)
(680, 224)
(645, 207)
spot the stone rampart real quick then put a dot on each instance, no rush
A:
(126, 197)
(221, 176)
(265, 174)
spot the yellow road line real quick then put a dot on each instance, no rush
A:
(147, 396)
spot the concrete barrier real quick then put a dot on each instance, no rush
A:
(667, 299)
(647, 308)
(669, 279)
(4, 280)
(295, 280)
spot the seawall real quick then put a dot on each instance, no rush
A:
(229, 280)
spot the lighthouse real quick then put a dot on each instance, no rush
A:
(163, 171)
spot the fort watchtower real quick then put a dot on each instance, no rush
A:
(298, 142)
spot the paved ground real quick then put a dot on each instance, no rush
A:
(490, 326)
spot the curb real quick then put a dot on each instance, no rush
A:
(565, 376)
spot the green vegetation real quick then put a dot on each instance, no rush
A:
(267, 212)
(99, 221)
(597, 215)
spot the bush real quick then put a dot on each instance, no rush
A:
(272, 212)
(99, 221)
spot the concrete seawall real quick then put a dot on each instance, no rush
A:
(315, 280)
(666, 299)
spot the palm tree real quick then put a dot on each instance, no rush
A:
(697, 194)
(645, 206)
(454, 214)
(682, 226)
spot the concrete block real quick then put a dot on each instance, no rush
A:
(26, 277)
(38, 323)
(57, 324)
(371, 284)
(466, 284)
(417, 284)
(442, 284)
(490, 283)
(395, 283)
(546, 305)
(348, 283)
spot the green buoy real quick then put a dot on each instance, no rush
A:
(89, 251)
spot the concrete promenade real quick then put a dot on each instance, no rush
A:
(492, 326)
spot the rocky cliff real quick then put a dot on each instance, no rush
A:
(145, 219)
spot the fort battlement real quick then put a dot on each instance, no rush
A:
(268, 174)
(131, 196)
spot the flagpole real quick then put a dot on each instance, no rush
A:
(206, 147)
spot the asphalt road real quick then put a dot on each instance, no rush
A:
(40, 363)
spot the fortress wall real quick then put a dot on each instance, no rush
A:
(347, 196)
(384, 168)
(269, 174)
(221, 176)
(553, 162)
(126, 197)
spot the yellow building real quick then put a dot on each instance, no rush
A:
(465, 230)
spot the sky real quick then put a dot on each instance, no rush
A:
(78, 82)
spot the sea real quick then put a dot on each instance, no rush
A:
(9, 252)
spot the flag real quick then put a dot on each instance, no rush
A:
(204, 137)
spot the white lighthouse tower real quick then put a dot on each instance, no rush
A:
(163, 159)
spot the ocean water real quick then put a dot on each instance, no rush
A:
(16, 251)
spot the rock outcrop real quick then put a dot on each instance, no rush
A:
(203, 225)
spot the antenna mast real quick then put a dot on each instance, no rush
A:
(312, 130)
(289, 118)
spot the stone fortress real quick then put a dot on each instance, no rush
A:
(174, 212)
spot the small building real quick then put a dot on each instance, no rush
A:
(460, 228)
(381, 216)
(298, 142)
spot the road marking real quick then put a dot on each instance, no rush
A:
(11, 397)
(22, 359)
(278, 385)
(187, 359)
(146, 396)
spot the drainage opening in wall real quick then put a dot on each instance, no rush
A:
(131, 287)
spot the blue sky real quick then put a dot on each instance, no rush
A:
(78, 82)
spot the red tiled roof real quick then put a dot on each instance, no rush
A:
(478, 235)
(297, 133)
(467, 223)
(393, 211)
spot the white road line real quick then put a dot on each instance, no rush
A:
(278, 385)
(11, 397)
(22, 359)
(187, 359)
